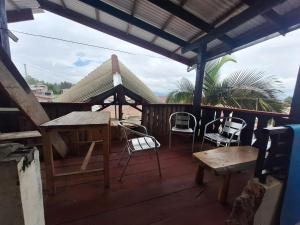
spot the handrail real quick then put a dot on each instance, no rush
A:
(273, 114)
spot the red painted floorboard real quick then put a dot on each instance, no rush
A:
(143, 197)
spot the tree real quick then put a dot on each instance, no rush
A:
(247, 89)
(55, 87)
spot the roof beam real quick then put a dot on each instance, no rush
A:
(256, 9)
(134, 21)
(168, 21)
(291, 20)
(181, 13)
(87, 21)
(271, 16)
(19, 15)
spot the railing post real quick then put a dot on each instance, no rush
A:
(4, 42)
(295, 107)
(200, 73)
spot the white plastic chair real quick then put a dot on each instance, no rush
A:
(228, 134)
(180, 122)
(141, 141)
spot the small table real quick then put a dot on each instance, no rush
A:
(224, 161)
(98, 126)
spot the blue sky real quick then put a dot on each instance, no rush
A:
(56, 61)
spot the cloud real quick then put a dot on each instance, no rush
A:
(82, 62)
(56, 61)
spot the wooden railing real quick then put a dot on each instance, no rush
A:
(156, 118)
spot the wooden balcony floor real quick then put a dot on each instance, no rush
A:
(143, 197)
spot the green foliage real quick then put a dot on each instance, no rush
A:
(55, 87)
(287, 101)
(247, 89)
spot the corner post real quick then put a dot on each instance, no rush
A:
(295, 107)
(4, 41)
(200, 73)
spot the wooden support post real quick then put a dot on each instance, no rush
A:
(295, 107)
(200, 73)
(200, 175)
(49, 164)
(106, 150)
(4, 42)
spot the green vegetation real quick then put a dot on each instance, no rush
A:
(55, 87)
(247, 89)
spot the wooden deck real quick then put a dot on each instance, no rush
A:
(143, 197)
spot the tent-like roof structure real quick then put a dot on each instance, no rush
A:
(177, 28)
(110, 79)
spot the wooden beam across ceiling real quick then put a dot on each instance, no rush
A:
(291, 21)
(256, 9)
(100, 5)
(186, 16)
(19, 15)
(271, 16)
(87, 21)
(168, 21)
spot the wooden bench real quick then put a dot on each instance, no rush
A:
(224, 161)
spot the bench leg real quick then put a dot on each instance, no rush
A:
(223, 192)
(199, 175)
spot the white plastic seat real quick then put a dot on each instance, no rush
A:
(180, 122)
(189, 130)
(141, 142)
(230, 132)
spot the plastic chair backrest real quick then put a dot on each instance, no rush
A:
(231, 127)
(182, 120)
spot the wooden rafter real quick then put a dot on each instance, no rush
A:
(105, 7)
(271, 16)
(178, 11)
(87, 21)
(256, 9)
(19, 15)
(168, 21)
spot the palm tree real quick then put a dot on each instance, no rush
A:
(248, 89)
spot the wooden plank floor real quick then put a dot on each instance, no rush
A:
(143, 197)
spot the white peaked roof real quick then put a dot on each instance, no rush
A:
(110, 75)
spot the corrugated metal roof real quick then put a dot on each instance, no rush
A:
(176, 32)
(103, 79)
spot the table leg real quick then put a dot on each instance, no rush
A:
(106, 147)
(199, 175)
(48, 159)
(223, 192)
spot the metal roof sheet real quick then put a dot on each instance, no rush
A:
(103, 79)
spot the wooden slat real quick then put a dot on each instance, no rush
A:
(78, 174)
(88, 156)
(19, 135)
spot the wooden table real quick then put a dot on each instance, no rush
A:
(96, 124)
(224, 161)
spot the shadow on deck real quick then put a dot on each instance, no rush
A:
(143, 197)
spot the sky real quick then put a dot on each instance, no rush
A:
(56, 61)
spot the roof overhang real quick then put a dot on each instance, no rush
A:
(177, 28)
